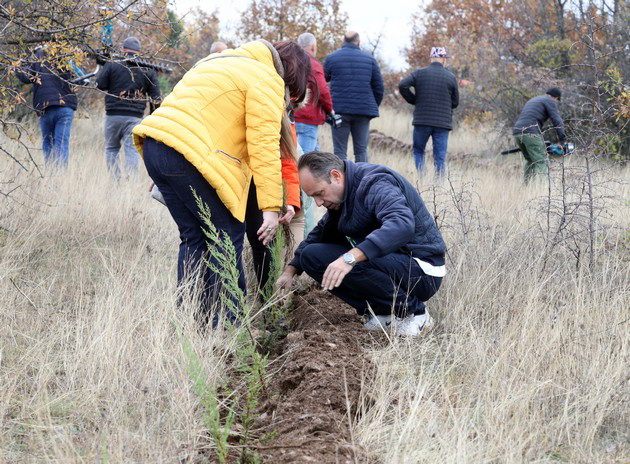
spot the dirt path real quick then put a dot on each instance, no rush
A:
(315, 385)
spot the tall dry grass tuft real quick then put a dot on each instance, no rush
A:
(528, 362)
(91, 365)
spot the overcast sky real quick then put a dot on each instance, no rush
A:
(368, 17)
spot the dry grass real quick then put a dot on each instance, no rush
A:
(526, 365)
(91, 368)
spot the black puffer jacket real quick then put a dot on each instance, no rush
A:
(534, 114)
(435, 95)
(50, 86)
(128, 87)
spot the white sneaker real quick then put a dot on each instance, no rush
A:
(378, 323)
(413, 325)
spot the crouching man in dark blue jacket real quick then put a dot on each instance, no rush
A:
(377, 248)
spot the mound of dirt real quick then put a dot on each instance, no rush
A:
(315, 385)
(385, 142)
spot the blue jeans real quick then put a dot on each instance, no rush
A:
(176, 178)
(421, 136)
(359, 127)
(55, 124)
(118, 131)
(307, 141)
(307, 136)
(392, 280)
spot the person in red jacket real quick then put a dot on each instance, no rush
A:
(311, 116)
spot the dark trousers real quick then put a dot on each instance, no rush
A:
(176, 178)
(395, 280)
(359, 127)
(261, 255)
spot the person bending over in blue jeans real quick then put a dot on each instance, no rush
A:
(377, 248)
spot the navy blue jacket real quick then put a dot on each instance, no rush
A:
(356, 84)
(382, 213)
(50, 86)
(534, 114)
(435, 95)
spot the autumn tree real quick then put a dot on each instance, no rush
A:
(202, 29)
(514, 50)
(73, 32)
(275, 20)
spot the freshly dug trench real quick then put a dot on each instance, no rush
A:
(315, 391)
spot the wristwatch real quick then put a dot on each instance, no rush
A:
(349, 258)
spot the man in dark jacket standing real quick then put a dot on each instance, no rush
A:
(357, 90)
(128, 88)
(377, 248)
(435, 96)
(528, 131)
(55, 102)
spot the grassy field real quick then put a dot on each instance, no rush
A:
(528, 362)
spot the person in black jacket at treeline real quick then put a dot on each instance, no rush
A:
(435, 96)
(377, 248)
(128, 88)
(54, 101)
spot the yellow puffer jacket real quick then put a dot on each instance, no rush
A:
(224, 116)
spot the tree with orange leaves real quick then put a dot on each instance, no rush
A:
(511, 50)
(276, 20)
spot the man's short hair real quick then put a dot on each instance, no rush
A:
(306, 40)
(351, 37)
(320, 163)
(217, 46)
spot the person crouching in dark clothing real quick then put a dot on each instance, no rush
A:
(377, 248)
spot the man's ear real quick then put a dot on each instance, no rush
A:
(336, 175)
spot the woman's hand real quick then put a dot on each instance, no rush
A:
(286, 218)
(269, 227)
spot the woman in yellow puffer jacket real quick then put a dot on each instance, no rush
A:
(217, 130)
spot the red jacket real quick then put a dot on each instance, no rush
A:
(315, 111)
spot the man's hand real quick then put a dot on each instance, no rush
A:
(335, 272)
(285, 280)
